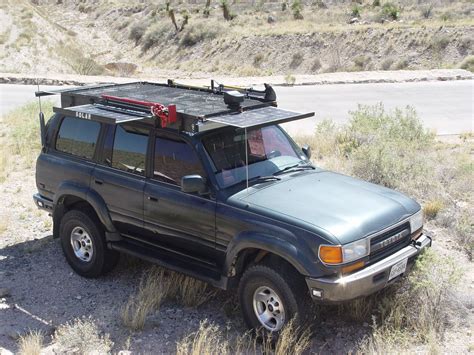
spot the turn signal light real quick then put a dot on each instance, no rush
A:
(330, 254)
(353, 267)
(417, 234)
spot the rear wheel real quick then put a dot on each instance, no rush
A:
(270, 299)
(84, 246)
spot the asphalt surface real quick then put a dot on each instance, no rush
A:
(445, 106)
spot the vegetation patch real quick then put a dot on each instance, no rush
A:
(198, 33)
(210, 339)
(30, 343)
(82, 336)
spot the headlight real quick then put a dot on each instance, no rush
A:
(332, 254)
(416, 221)
(355, 250)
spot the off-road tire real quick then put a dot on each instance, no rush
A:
(289, 286)
(102, 260)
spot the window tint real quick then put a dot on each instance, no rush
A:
(175, 159)
(78, 137)
(129, 150)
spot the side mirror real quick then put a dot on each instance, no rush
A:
(306, 150)
(194, 184)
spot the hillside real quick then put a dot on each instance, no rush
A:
(263, 38)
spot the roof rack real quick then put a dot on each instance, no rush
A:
(186, 108)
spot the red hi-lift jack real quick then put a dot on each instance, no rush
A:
(166, 114)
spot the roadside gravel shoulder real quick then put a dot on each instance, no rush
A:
(398, 76)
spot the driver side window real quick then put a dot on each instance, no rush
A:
(129, 149)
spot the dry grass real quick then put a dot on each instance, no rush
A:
(158, 285)
(23, 138)
(209, 339)
(421, 309)
(31, 343)
(153, 289)
(432, 208)
(82, 336)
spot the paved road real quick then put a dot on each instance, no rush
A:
(446, 106)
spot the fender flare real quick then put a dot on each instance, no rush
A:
(279, 246)
(88, 195)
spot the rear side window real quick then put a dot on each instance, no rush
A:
(78, 137)
(175, 159)
(129, 150)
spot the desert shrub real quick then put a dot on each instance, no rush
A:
(82, 336)
(468, 63)
(24, 132)
(391, 11)
(316, 65)
(387, 63)
(137, 31)
(31, 343)
(297, 9)
(420, 309)
(155, 35)
(207, 340)
(258, 59)
(376, 3)
(446, 16)
(290, 79)
(226, 11)
(464, 230)
(360, 62)
(198, 33)
(440, 43)
(386, 147)
(157, 286)
(296, 60)
(402, 64)
(426, 11)
(211, 340)
(78, 62)
(192, 292)
(356, 10)
(432, 208)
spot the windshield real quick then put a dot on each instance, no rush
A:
(269, 150)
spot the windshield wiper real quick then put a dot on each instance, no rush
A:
(260, 179)
(296, 167)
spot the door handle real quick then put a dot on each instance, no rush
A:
(98, 182)
(152, 198)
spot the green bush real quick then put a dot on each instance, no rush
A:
(297, 9)
(155, 35)
(355, 11)
(468, 63)
(137, 31)
(24, 132)
(391, 11)
(420, 309)
(296, 60)
(197, 33)
(386, 147)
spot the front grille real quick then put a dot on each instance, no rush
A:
(389, 242)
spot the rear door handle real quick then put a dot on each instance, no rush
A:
(98, 181)
(152, 198)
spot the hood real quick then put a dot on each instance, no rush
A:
(346, 208)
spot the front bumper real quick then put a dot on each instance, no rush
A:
(43, 203)
(366, 281)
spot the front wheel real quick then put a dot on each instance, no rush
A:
(83, 244)
(270, 299)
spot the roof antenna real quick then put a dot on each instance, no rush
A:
(41, 119)
(246, 160)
